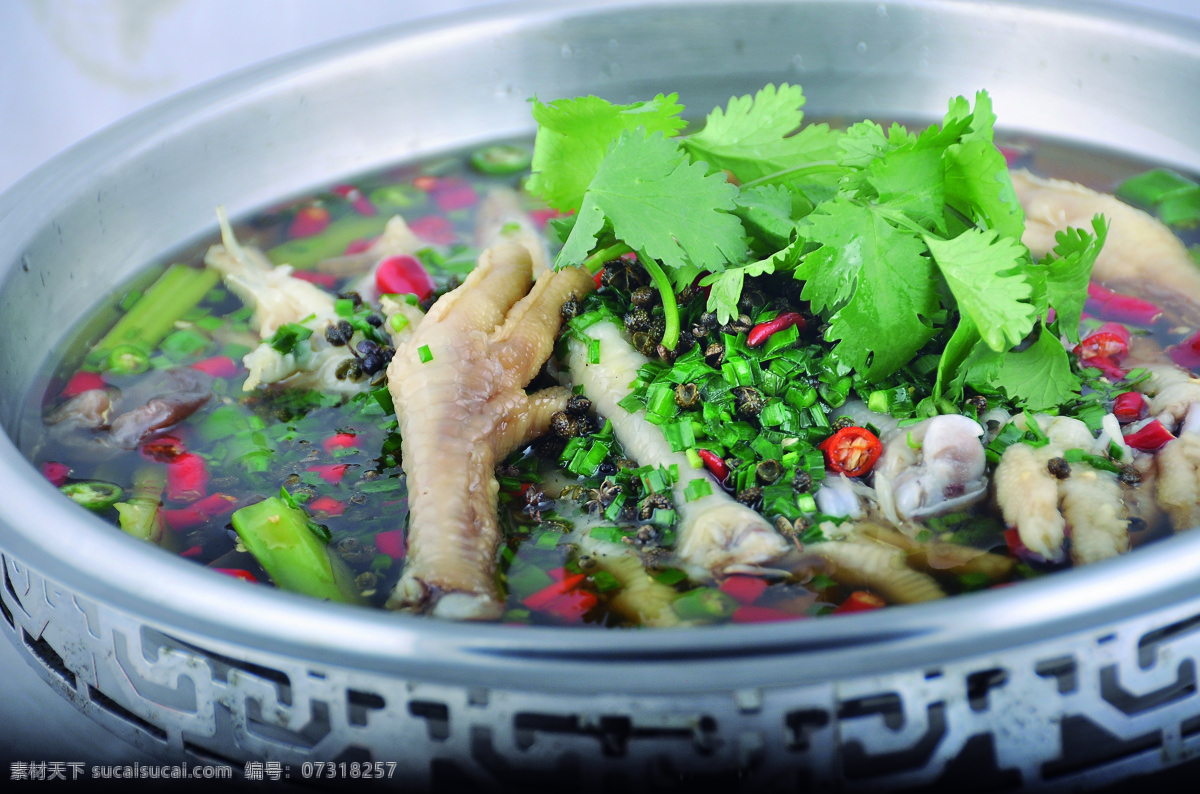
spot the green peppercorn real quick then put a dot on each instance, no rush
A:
(749, 401)
(768, 471)
(578, 405)
(802, 482)
(686, 395)
(751, 497)
(841, 423)
(637, 320)
(655, 501)
(643, 297)
(1059, 468)
(563, 425)
(714, 354)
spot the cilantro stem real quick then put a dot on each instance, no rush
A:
(596, 261)
(670, 309)
(819, 167)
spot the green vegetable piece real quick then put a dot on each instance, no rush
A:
(155, 313)
(1181, 209)
(425, 354)
(93, 494)
(127, 360)
(704, 603)
(284, 544)
(1152, 187)
(140, 515)
(305, 252)
(501, 158)
(184, 343)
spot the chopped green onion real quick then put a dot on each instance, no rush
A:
(425, 354)
(697, 489)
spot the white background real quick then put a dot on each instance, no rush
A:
(71, 67)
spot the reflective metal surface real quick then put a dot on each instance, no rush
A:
(221, 663)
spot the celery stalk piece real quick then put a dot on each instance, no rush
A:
(304, 253)
(139, 515)
(280, 539)
(155, 313)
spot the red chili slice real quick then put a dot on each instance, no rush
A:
(714, 464)
(1150, 438)
(403, 275)
(1103, 344)
(752, 614)
(744, 589)
(550, 592)
(1186, 353)
(330, 473)
(326, 280)
(362, 205)
(391, 543)
(1110, 305)
(56, 472)
(763, 331)
(238, 573)
(187, 478)
(184, 518)
(81, 382)
(163, 449)
(1129, 407)
(851, 451)
(339, 441)
(217, 366)
(599, 274)
(860, 601)
(434, 229)
(217, 504)
(309, 221)
(327, 506)
(1106, 365)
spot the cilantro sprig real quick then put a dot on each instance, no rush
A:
(907, 242)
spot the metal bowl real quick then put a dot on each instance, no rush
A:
(1071, 680)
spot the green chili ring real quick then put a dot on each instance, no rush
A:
(93, 494)
(128, 360)
(501, 159)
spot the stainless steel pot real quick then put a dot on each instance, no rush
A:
(1072, 680)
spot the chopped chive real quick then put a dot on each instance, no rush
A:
(697, 489)
(425, 354)
(398, 322)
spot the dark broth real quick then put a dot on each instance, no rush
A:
(340, 457)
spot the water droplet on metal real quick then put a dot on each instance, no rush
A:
(861, 48)
(614, 45)
(798, 62)
(612, 69)
(567, 52)
(881, 10)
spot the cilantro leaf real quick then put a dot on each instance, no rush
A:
(766, 212)
(1038, 377)
(1068, 270)
(726, 286)
(658, 203)
(876, 279)
(983, 271)
(575, 134)
(909, 179)
(978, 186)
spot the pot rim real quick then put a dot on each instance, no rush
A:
(165, 588)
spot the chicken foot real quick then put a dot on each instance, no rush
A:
(458, 387)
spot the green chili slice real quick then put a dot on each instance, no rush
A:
(500, 159)
(93, 494)
(128, 360)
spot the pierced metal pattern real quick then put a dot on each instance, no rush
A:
(1079, 711)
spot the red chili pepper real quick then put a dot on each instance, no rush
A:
(572, 606)
(434, 229)
(309, 221)
(327, 506)
(217, 504)
(326, 280)
(238, 573)
(1129, 407)
(183, 519)
(194, 551)
(187, 478)
(362, 205)
(851, 451)
(860, 601)
(763, 331)
(1106, 365)
(217, 366)
(331, 472)
(403, 275)
(57, 473)
(542, 597)
(542, 217)
(1110, 305)
(83, 381)
(714, 464)
(391, 543)
(1186, 353)
(426, 183)
(1103, 344)
(752, 614)
(744, 589)
(453, 195)
(339, 441)
(357, 246)
(597, 276)
(1152, 437)
(558, 574)
(163, 449)
(1016, 546)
